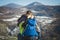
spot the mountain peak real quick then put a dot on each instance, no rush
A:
(35, 4)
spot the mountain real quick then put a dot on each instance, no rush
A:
(36, 6)
(40, 9)
(9, 8)
(12, 5)
(44, 9)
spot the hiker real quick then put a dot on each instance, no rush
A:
(30, 32)
(22, 20)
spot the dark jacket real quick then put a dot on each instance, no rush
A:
(22, 18)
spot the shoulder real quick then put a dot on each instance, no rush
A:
(23, 15)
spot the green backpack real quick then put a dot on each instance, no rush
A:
(21, 28)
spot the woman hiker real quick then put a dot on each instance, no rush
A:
(30, 32)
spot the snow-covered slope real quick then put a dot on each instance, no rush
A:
(44, 19)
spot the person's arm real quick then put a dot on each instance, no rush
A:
(20, 19)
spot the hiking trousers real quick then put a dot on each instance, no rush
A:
(20, 37)
(29, 38)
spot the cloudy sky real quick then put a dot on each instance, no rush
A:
(26, 2)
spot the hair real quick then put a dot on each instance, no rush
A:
(28, 12)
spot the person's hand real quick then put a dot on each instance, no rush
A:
(32, 16)
(29, 16)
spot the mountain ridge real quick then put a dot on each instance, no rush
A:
(12, 5)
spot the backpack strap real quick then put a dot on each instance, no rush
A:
(21, 28)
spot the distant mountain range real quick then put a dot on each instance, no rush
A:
(44, 9)
(36, 6)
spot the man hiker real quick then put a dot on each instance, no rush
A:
(22, 24)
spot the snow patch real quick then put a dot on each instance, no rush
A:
(44, 19)
(11, 19)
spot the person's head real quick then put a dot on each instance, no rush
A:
(29, 13)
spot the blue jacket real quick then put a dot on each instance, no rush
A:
(30, 28)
